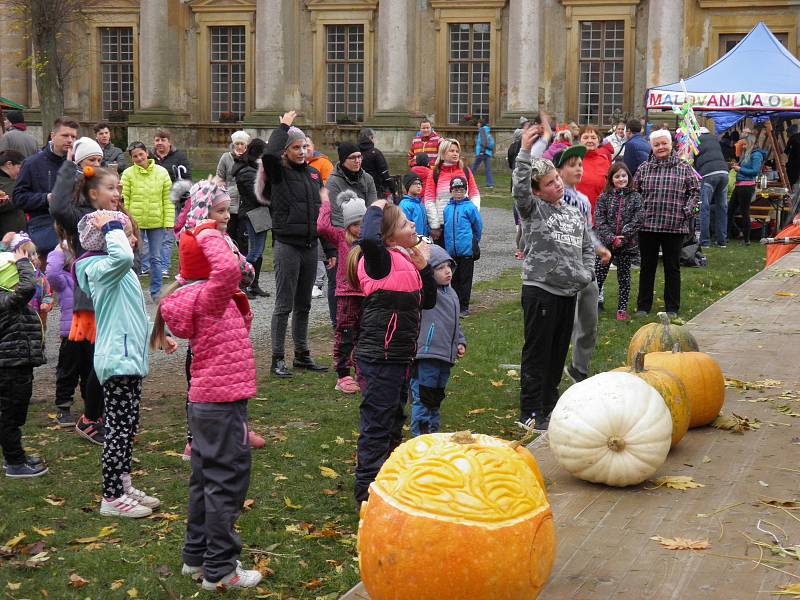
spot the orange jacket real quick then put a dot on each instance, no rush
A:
(322, 164)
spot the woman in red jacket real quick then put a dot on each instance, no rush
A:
(596, 164)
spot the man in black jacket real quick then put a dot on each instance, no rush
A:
(712, 166)
(374, 162)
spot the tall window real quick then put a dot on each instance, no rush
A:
(227, 73)
(602, 55)
(468, 71)
(344, 67)
(116, 68)
(728, 41)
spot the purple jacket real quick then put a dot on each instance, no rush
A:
(63, 284)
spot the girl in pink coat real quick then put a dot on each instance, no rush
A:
(214, 315)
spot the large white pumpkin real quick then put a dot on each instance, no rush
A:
(613, 428)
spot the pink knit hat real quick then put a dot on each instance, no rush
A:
(93, 239)
(202, 196)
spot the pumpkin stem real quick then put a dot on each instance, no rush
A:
(463, 437)
(676, 348)
(615, 444)
(638, 362)
(662, 316)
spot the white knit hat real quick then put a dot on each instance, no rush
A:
(85, 147)
(353, 207)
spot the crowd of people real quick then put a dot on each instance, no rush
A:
(82, 221)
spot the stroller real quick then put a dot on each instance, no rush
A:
(691, 252)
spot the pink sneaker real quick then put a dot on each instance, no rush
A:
(187, 452)
(622, 315)
(256, 441)
(347, 385)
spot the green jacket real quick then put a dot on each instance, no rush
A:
(119, 309)
(146, 196)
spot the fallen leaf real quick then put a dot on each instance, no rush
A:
(31, 549)
(793, 589)
(54, 500)
(706, 459)
(477, 411)
(107, 530)
(287, 455)
(468, 372)
(163, 516)
(328, 472)
(288, 502)
(173, 453)
(752, 385)
(248, 504)
(37, 560)
(763, 483)
(14, 542)
(44, 531)
(262, 566)
(497, 384)
(133, 593)
(281, 477)
(513, 373)
(163, 571)
(787, 410)
(313, 584)
(13, 586)
(735, 423)
(780, 503)
(677, 482)
(681, 543)
(77, 581)
(116, 585)
(339, 440)
(786, 294)
(328, 492)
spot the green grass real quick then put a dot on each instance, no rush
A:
(310, 544)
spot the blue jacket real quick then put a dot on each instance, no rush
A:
(415, 211)
(637, 151)
(439, 330)
(749, 171)
(463, 226)
(488, 149)
(120, 314)
(35, 180)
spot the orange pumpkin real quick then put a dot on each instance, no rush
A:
(453, 516)
(671, 389)
(660, 337)
(700, 375)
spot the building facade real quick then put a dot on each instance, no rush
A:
(207, 67)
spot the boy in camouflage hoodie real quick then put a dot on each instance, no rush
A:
(559, 262)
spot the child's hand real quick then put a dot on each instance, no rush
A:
(419, 255)
(461, 351)
(330, 263)
(19, 254)
(380, 203)
(170, 345)
(46, 308)
(618, 241)
(604, 254)
(436, 233)
(528, 137)
(102, 218)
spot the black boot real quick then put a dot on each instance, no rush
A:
(279, 368)
(254, 289)
(303, 360)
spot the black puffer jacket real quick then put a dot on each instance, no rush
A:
(293, 193)
(619, 213)
(176, 164)
(21, 342)
(375, 164)
(710, 158)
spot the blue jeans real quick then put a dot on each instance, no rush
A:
(166, 249)
(486, 160)
(714, 190)
(155, 240)
(255, 242)
(428, 381)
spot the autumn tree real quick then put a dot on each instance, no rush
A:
(53, 27)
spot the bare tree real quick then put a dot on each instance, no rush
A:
(53, 26)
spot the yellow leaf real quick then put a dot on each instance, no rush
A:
(77, 581)
(287, 455)
(13, 586)
(288, 502)
(107, 530)
(339, 440)
(677, 482)
(497, 384)
(787, 294)
(328, 472)
(52, 416)
(281, 477)
(86, 540)
(133, 593)
(172, 453)
(117, 584)
(468, 372)
(13, 542)
(477, 411)
(54, 500)
(44, 531)
(793, 589)
(706, 459)
(681, 543)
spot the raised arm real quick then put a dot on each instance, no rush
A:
(63, 207)
(377, 261)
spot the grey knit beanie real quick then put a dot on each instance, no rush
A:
(295, 133)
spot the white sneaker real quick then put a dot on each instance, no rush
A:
(316, 292)
(236, 579)
(195, 573)
(124, 506)
(149, 501)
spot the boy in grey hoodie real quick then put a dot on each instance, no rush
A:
(440, 343)
(559, 262)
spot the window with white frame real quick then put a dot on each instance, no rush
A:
(116, 70)
(344, 71)
(228, 95)
(469, 49)
(601, 71)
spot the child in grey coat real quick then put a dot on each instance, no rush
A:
(440, 343)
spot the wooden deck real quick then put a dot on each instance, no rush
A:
(603, 534)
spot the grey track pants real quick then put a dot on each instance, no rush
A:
(295, 271)
(584, 330)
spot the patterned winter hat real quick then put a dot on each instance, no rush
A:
(202, 196)
(93, 239)
(18, 240)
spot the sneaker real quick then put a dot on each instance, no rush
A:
(519, 255)
(30, 459)
(672, 315)
(142, 498)
(612, 267)
(542, 426)
(196, 573)
(256, 441)
(316, 292)
(187, 452)
(573, 373)
(64, 418)
(640, 313)
(144, 272)
(622, 315)
(91, 430)
(26, 470)
(124, 506)
(464, 313)
(165, 273)
(236, 579)
(347, 385)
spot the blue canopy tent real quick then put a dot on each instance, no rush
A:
(759, 78)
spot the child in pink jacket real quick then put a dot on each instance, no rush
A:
(348, 298)
(214, 315)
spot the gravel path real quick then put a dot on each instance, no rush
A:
(497, 256)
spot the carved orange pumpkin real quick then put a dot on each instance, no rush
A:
(660, 337)
(454, 516)
(671, 389)
(700, 375)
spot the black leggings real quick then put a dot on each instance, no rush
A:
(740, 203)
(623, 262)
(122, 393)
